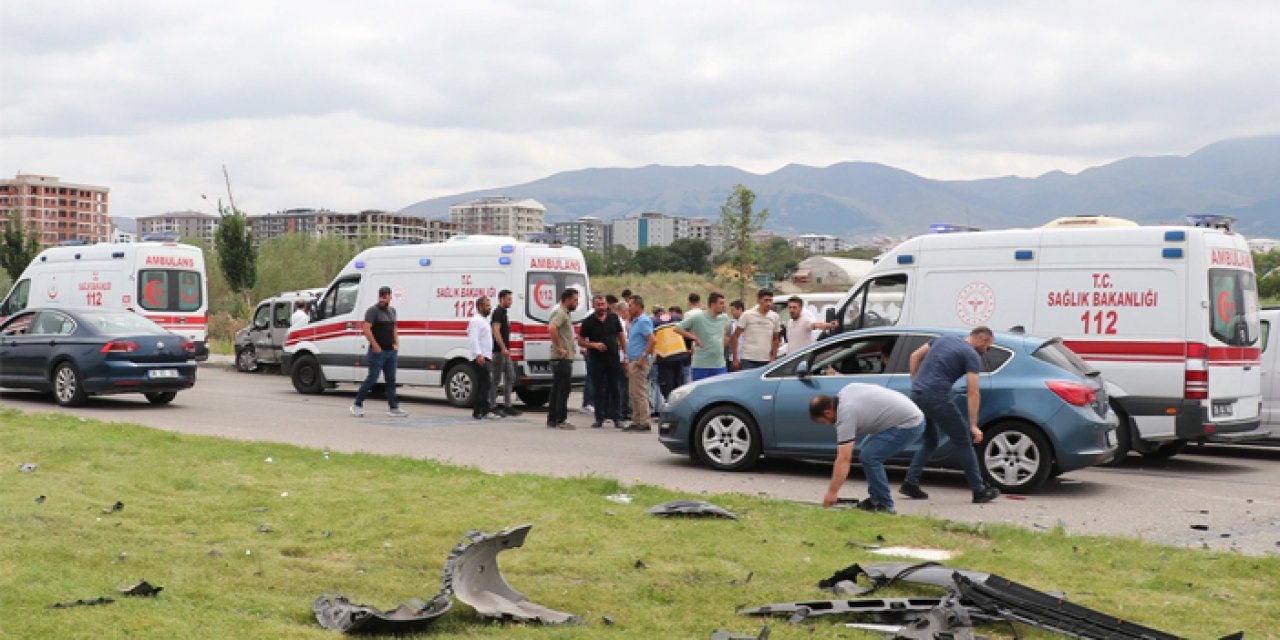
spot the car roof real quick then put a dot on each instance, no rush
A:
(1005, 338)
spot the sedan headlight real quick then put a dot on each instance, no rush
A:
(679, 394)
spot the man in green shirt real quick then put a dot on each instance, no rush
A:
(709, 332)
(560, 328)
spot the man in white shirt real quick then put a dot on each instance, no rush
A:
(758, 329)
(300, 315)
(889, 422)
(480, 338)
(802, 324)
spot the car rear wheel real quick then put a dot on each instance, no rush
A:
(460, 384)
(246, 359)
(726, 439)
(306, 375)
(161, 397)
(1015, 458)
(68, 390)
(533, 398)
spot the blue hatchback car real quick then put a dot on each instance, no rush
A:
(1044, 410)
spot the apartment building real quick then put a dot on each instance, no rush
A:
(500, 215)
(184, 224)
(588, 232)
(819, 244)
(54, 210)
(385, 225)
(265, 226)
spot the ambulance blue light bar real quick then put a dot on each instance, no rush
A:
(508, 248)
(943, 227)
(359, 264)
(906, 259)
(1175, 236)
(117, 254)
(1213, 221)
(1023, 254)
(1172, 252)
(424, 262)
(504, 260)
(160, 237)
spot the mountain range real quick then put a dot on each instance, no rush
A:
(1238, 177)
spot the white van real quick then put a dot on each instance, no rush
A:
(161, 280)
(1168, 314)
(434, 291)
(820, 304)
(1270, 371)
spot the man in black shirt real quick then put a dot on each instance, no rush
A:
(384, 343)
(502, 371)
(598, 334)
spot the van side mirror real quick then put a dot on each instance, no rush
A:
(802, 369)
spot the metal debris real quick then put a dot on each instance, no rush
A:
(336, 612)
(471, 573)
(142, 588)
(695, 508)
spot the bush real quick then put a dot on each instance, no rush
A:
(223, 326)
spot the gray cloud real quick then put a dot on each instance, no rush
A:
(354, 105)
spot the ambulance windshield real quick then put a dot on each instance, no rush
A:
(876, 304)
(170, 290)
(1233, 307)
(542, 294)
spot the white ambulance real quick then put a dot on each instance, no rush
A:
(434, 291)
(1168, 314)
(161, 280)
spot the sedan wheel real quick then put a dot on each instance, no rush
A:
(726, 439)
(68, 391)
(1015, 458)
(161, 397)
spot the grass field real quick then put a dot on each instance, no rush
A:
(244, 536)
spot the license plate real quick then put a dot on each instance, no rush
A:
(1223, 410)
(163, 373)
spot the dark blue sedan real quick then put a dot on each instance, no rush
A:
(76, 353)
(1044, 410)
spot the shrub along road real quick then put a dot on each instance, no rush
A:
(1215, 497)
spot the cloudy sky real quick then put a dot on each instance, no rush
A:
(373, 104)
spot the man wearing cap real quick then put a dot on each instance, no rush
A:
(888, 422)
(384, 343)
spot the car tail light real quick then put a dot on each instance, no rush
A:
(1196, 380)
(119, 346)
(188, 346)
(1074, 393)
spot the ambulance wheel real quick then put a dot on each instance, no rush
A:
(306, 374)
(1164, 450)
(460, 384)
(246, 359)
(161, 397)
(1015, 457)
(726, 439)
(534, 398)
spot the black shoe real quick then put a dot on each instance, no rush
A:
(634, 426)
(597, 425)
(512, 412)
(986, 495)
(913, 491)
(874, 507)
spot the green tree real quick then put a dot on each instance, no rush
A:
(595, 263)
(779, 257)
(18, 246)
(739, 223)
(858, 253)
(237, 256)
(656, 259)
(619, 260)
(692, 254)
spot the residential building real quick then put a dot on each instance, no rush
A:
(588, 232)
(819, 243)
(184, 224)
(1263, 245)
(649, 229)
(499, 215)
(266, 226)
(56, 211)
(385, 225)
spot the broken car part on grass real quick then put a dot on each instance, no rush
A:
(470, 573)
(693, 508)
(971, 596)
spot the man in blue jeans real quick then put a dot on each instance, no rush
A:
(384, 342)
(888, 420)
(934, 368)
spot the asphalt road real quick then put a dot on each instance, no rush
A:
(1212, 497)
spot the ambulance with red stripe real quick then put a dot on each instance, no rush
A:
(160, 279)
(434, 290)
(1168, 314)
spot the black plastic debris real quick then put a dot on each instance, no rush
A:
(336, 612)
(640, 564)
(691, 508)
(142, 589)
(471, 573)
(118, 506)
(81, 603)
(608, 620)
(262, 528)
(39, 499)
(729, 635)
(1200, 527)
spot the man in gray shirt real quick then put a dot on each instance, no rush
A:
(889, 421)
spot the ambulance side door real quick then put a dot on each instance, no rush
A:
(337, 331)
